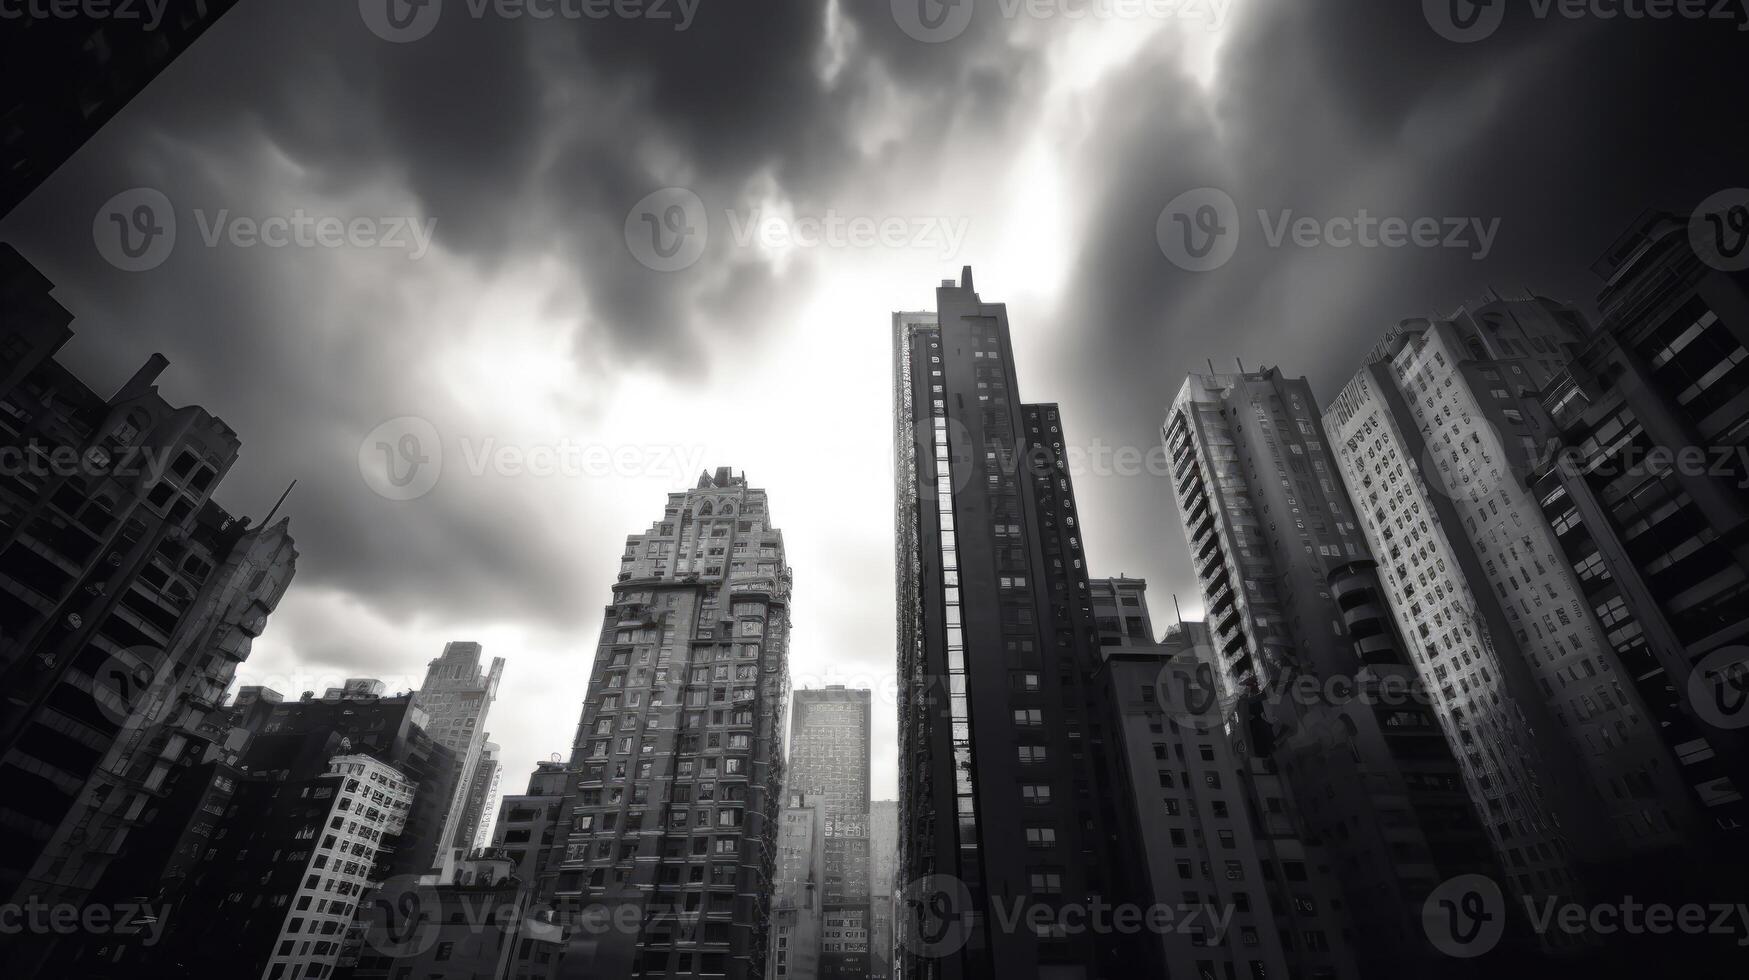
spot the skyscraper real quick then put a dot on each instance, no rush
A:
(527, 829)
(1566, 765)
(1658, 545)
(266, 812)
(476, 828)
(1001, 738)
(456, 697)
(672, 812)
(1248, 892)
(883, 883)
(1297, 620)
(127, 598)
(797, 914)
(829, 758)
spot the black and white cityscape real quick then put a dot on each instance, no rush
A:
(859, 490)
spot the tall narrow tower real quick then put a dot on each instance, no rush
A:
(829, 757)
(1298, 621)
(670, 816)
(456, 697)
(1005, 787)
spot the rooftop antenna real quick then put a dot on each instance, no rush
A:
(1211, 364)
(1241, 365)
(1179, 612)
(269, 518)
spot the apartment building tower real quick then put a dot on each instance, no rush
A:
(456, 697)
(671, 815)
(829, 758)
(1300, 638)
(1645, 484)
(127, 599)
(1001, 729)
(1246, 892)
(883, 884)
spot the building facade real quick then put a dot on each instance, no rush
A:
(1242, 891)
(671, 817)
(456, 697)
(1300, 635)
(883, 885)
(1000, 726)
(476, 826)
(1645, 484)
(1568, 769)
(127, 599)
(527, 829)
(797, 906)
(829, 759)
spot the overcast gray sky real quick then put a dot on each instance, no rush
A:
(1037, 146)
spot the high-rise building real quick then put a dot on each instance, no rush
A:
(62, 77)
(527, 830)
(1001, 735)
(1242, 890)
(797, 912)
(672, 813)
(265, 826)
(1568, 768)
(476, 826)
(127, 599)
(1298, 623)
(1644, 482)
(456, 697)
(883, 885)
(829, 758)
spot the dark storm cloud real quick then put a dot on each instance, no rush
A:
(1562, 130)
(525, 139)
